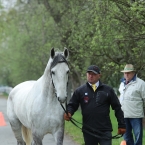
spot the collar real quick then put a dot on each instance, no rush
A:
(97, 84)
(132, 80)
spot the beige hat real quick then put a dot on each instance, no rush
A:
(128, 68)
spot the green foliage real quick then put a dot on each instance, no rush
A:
(106, 33)
(26, 52)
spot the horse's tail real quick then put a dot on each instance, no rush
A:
(27, 135)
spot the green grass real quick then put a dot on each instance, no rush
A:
(76, 133)
(73, 131)
(4, 94)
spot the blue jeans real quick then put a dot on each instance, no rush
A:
(134, 127)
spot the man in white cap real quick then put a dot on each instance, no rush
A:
(132, 98)
(95, 99)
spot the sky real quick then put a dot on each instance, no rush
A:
(7, 4)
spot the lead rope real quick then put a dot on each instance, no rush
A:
(91, 130)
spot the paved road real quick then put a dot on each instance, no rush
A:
(7, 137)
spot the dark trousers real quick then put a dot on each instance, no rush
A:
(91, 140)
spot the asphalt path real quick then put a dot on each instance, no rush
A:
(7, 136)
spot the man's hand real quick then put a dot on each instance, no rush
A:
(121, 130)
(67, 117)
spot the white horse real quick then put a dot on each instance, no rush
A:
(34, 107)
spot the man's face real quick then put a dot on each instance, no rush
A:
(92, 77)
(129, 75)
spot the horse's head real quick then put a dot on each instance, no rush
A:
(59, 73)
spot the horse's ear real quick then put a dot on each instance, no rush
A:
(52, 53)
(66, 52)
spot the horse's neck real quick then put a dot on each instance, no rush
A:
(46, 78)
(46, 82)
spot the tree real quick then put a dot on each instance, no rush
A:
(107, 33)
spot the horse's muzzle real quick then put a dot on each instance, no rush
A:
(62, 100)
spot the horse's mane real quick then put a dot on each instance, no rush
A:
(57, 51)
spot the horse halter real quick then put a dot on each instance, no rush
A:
(59, 58)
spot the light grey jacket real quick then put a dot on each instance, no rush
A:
(131, 98)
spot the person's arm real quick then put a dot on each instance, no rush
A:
(121, 88)
(142, 92)
(72, 106)
(116, 106)
(67, 116)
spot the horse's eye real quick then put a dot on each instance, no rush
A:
(53, 72)
(67, 72)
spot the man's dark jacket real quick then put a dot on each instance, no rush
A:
(95, 106)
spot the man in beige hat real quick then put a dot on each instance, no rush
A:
(132, 99)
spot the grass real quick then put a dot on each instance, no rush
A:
(73, 131)
(4, 94)
(76, 134)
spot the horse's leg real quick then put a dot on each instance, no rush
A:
(36, 140)
(59, 135)
(21, 143)
(16, 127)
